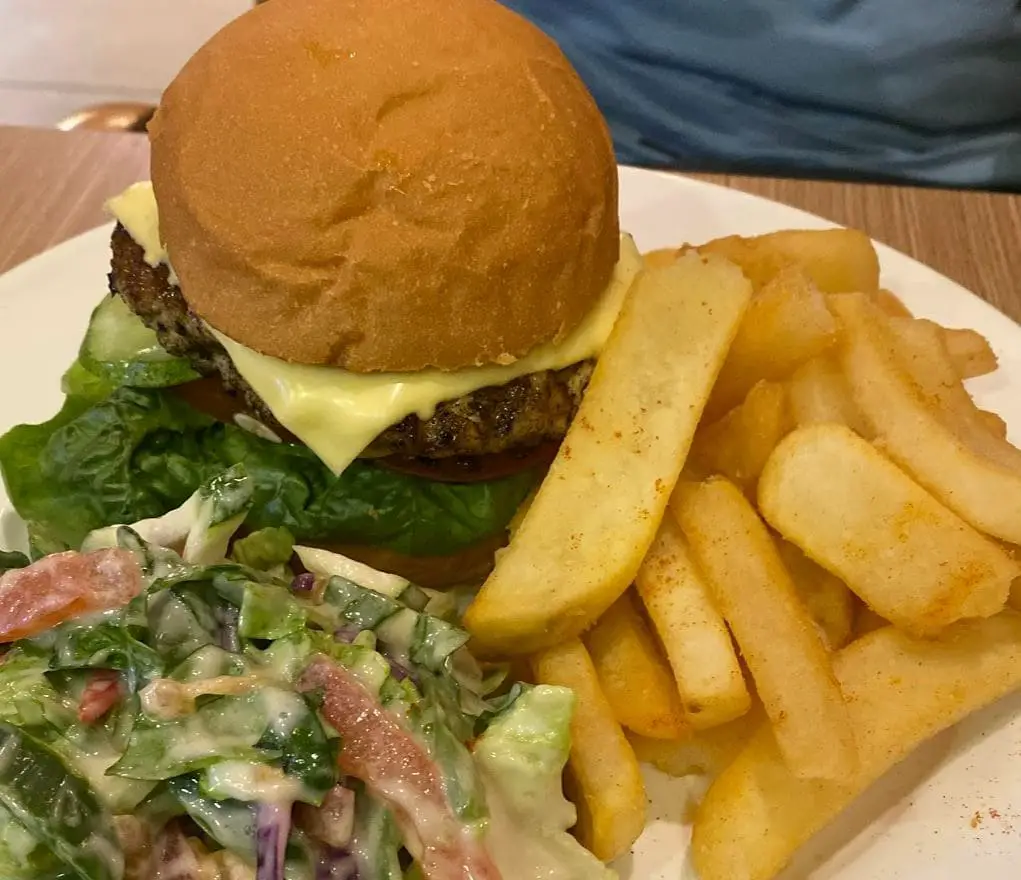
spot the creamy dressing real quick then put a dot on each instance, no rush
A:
(167, 699)
(337, 413)
(332, 564)
(246, 781)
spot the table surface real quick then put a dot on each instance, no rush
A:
(53, 185)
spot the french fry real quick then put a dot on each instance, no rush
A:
(827, 598)
(858, 515)
(922, 353)
(700, 752)
(571, 559)
(819, 394)
(610, 793)
(837, 260)
(923, 418)
(787, 323)
(634, 677)
(660, 258)
(971, 353)
(900, 691)
(697, 642)
(777, 636)
(891, 304)
(994, 424)
(866, 621)
(738, 445)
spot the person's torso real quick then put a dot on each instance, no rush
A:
(927, 90)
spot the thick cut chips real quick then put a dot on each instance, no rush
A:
(900, 691)
(859, 516)
(583, 539)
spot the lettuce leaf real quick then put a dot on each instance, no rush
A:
(139, 453)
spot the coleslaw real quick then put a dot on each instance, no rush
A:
(180, 703)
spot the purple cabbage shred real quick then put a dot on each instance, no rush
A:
(303, 583)
(272, 828)
(336, 864)
(346, 633)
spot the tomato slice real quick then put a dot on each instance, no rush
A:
(64, 586)
(101, 694)
(389, 760)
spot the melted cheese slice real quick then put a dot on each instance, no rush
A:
(135, 209)
(337, 413)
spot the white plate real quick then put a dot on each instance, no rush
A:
(953, 810)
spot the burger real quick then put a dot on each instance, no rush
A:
(376, 261)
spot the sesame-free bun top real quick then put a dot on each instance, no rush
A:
(385, 184)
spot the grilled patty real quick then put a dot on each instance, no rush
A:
(523, 413)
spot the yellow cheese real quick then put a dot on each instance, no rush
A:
(135, 209)
(337, 413)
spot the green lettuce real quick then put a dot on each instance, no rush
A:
(521, 756)
(138, 453)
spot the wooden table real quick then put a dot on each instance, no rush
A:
(53, 185)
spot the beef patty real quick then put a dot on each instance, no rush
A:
(523, 413)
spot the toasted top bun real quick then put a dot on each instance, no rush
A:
(385, 184)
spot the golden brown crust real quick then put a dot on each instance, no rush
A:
(385, 184)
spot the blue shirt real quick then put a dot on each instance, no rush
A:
(916, 90)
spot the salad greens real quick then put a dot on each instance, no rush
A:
(124, 447)
(186, 713)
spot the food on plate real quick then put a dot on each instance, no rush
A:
(634, 677)
(225, 721)
(776, 634)
(660, 257)
(572, 557)
(903, 382)
(853, 511)
(372, 319)
(827, 598)
(892, 304)
(900, 691)
(693, 633)
(787, 323)
(837, 260)
(738, 444)
(819, 394)
(701, 752)
(393, 247)
(970, 352)
(608, 787)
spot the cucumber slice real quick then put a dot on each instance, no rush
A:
(119, 348)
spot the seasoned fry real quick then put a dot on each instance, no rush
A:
(787, 323)
(819, 394)
(738, 445)
(701, 751)
(837, 260)
(635, 678)
(697, 642)
(904, 384)
(827, 598)
(657, 259)
(572, 558)
(971, 353)
(866, 621)
(610, 791)
(900, 691)
(994, 424)
(854, 512)
(891, 304)
(777, 636)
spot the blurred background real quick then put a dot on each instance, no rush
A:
(926, 92)
(59, 56)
